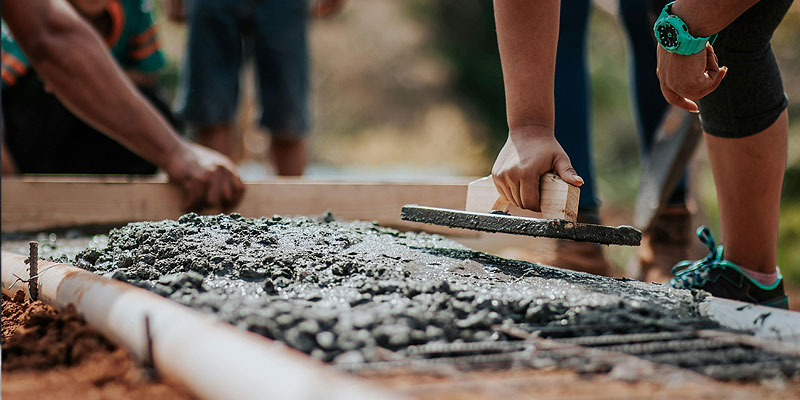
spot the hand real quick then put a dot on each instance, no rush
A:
(326, 8)
(207, 178)
(529, 153)
(686, 79)
(176, 11)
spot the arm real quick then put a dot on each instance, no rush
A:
(686, 79)
(527, 36)
(176, 10)
(707, 17)
(74, 64)
(140, 78)
(7, 164)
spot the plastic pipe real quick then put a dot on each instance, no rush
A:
(214, 359)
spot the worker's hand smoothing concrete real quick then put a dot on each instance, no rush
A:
(528, 73)
(529, 153)
(685, 79)
(206, 177)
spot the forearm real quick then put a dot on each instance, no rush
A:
(7, 164)
(142, 78)
(527, 36)
(75, 65)
(707, 17)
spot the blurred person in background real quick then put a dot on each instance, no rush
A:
(667, 242)
(74, 63)
(223, 34)
(42, 135)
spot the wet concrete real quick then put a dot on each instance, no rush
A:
(355, 291)
(551, 228)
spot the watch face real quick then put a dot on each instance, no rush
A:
(667, 36)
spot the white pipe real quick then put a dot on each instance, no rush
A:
(769, 323)
(214, 359)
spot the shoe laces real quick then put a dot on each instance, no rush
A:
(694, 273)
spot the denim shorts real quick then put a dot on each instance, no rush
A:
(750, 98)
(223, 33)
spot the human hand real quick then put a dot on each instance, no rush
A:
(207, 178)
(529, 153)
(686, 79)
(326, 8)
(176, 11)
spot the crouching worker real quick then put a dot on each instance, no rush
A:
(74, 64)
(42, 135)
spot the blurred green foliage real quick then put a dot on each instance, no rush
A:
(465, 37)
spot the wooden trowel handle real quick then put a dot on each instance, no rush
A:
(558, 199)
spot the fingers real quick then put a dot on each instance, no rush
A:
(711, 59)
(678, 100)
(686, 79)
(529, 194)
(718, 78)
(232, 191)
(564, 169)
(194, 195)
(502, 190)
(214, 192)
(513, 188)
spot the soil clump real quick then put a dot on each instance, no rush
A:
(53, 354)
(350, 292)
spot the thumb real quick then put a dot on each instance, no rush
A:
(718, 78)
(565, 170)
(712, 64)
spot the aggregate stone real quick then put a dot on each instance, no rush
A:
(347, 291)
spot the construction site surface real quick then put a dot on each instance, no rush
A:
(392, 313)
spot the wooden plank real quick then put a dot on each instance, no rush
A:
(558, 199)
(35, 203)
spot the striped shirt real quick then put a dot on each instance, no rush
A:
(132, 40)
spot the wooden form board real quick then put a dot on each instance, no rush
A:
(36, 203)
(558, 199)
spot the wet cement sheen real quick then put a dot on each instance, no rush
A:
(345, 292)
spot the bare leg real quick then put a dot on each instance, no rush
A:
(217, 137)
(289, 156)
(748, 174)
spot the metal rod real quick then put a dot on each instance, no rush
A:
(33, 281)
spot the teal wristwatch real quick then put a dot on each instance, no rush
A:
(673, 34)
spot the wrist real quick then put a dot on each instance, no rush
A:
(674, 35)
(174, 161)
(532, 130)
(697, 27)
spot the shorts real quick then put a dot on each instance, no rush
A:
(225, 32)
(750, 97)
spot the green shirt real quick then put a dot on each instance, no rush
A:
(132, 40)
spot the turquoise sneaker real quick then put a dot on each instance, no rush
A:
(725, 279)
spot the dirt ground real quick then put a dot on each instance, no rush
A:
(558, 384)
(49, 354)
